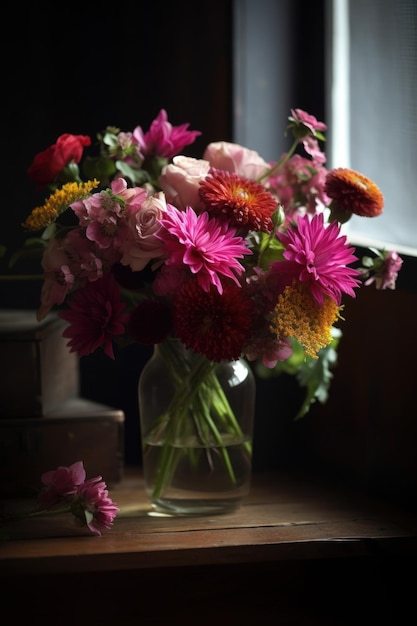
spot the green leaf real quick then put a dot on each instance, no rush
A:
(316, 374)
(99, 167)
(136, 176)
(313, 374)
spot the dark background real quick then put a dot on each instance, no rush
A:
(80, 72)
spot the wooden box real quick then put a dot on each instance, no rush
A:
(80, 430)
(38, 372)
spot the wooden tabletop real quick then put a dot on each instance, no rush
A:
(285, 517)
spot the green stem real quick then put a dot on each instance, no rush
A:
(283, 159)
(197, 390)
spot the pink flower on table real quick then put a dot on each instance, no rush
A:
(60, 483)
(163, 139)
(233, 157)
(180, 181)
(95, 315)
(207, 246)
(317, 256)
(142, 244)
(93, 507)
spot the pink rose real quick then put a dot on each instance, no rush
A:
(180, 182)
(235, 158)
(144, 224)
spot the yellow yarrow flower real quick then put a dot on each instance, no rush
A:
(57, 203)
(297, 315)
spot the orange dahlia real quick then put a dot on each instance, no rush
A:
(352, 192)
(244, 202)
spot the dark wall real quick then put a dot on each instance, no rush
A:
(99, 67)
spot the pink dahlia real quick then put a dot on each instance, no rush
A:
(93, 507)
(60, 483)
(317, 255)
(95, 316)
(208, 247)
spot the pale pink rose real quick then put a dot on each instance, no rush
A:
(143, 245)
(235, 158)
(180, 182)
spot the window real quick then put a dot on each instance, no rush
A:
(361, 57)
(372, 103)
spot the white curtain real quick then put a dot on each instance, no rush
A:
(372, 89)
(371, 99)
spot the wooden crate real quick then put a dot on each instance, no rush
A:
(80, 430)
(38, 372)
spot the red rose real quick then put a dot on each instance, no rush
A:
(50, 162)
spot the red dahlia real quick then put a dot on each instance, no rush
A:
(212, 324)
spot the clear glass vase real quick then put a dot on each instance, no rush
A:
(196, 421)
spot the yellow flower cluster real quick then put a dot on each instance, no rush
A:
(298, 316)
(57, 203)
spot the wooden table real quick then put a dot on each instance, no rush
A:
(298, 551)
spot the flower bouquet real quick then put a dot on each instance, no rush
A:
(229, 255)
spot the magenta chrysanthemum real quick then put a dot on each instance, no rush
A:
(317, 255)
(208, 246)
(95, 316)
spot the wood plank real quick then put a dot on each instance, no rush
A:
(285, 517)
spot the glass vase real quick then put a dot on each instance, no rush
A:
(196, 421)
